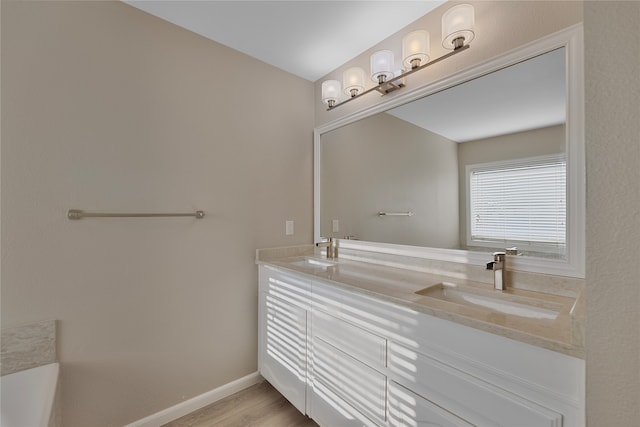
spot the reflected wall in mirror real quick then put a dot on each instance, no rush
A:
(481, 164)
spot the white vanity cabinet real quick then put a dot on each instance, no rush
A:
(284, 300)
(367, 361)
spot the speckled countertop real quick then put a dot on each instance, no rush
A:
(398, 279)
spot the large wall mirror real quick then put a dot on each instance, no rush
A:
(488, 159)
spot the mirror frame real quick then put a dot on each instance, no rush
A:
(573, 265)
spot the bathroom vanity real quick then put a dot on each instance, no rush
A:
(351, 342)
(406, 328)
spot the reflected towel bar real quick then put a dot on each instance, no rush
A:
(396, 213)
(78, 214)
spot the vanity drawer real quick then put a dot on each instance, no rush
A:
(374, 314)
(356, 342)
(327, 298)
(474, 400)
(357, 384)
(408, 409)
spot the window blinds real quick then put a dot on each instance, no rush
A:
(522, 202)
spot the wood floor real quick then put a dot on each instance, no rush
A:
(257, 406)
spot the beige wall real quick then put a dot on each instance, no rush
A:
(106, 108)
(613, 213)
(146, 306)
(538, 142)
(367, 168)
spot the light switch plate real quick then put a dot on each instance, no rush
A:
(289, 228)
(336, 225)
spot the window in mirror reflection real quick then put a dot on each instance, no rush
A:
(518, 203)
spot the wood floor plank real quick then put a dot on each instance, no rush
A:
(258, 406)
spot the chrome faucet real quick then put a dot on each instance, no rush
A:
(497, 265)
(332, 247)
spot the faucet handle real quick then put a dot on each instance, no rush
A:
(498, 261)
(499, 256)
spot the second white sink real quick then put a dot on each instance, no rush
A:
(494, 301)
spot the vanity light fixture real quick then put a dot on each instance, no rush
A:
(457, 32)
(353, 81)
(382, 64)
(415, 49)
(457, 26)
(330, 92)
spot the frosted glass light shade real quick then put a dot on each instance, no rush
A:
(330, 92)
(459, 21)
(415, 46)
(382, 65)
(353, 81)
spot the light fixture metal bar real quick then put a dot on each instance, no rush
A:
(78, 214)
(392, 84)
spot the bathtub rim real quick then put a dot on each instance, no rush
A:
(49, 374)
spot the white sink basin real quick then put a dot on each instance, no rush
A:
(493, 301)
(314, 263)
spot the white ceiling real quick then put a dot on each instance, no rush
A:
(312, 38)
(525, 96)
(306, 38)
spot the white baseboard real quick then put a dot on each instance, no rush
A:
(195, 403)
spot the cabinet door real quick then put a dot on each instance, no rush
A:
(283, 360)
(407, 409)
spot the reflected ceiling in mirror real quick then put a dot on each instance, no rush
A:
(525, 96)
(417, 158)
